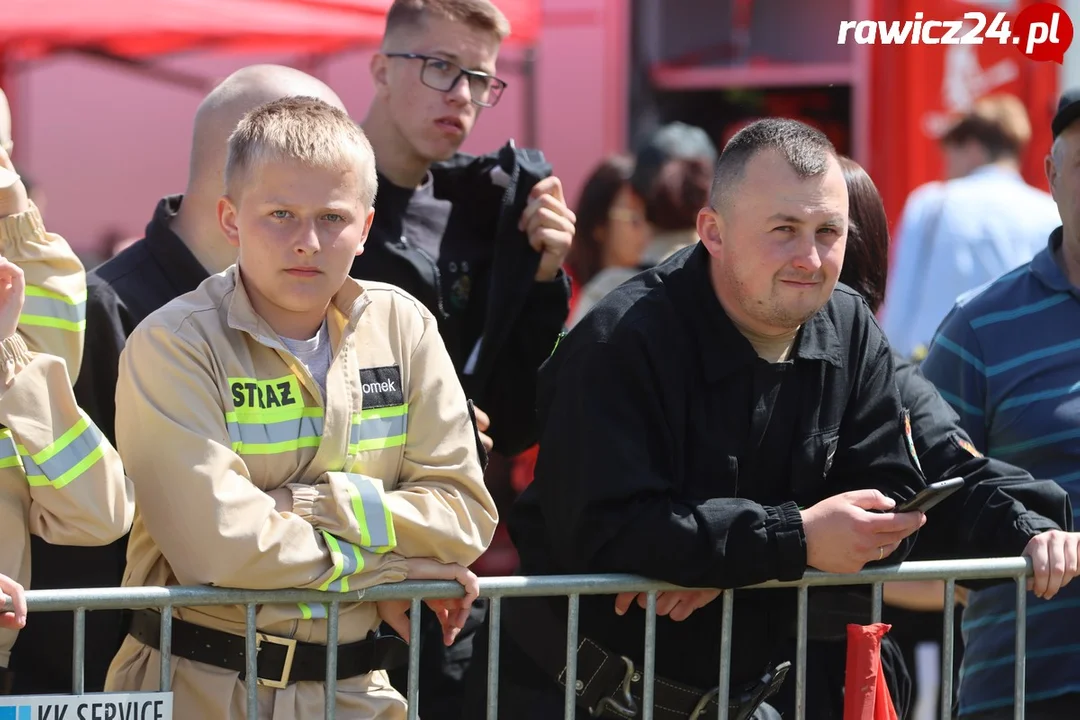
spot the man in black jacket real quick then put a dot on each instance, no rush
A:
(182, 246)
(479, 240)
(720, 420)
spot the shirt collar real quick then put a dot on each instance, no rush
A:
(170, 252)
(1045, 267)
(723, 347)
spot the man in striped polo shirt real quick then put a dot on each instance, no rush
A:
(1008, 360)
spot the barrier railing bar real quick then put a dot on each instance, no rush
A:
(723, 696)
(332, 660)
(494, 628)
(78, 662)
(650, 658)
(251, 682)
(572, 619)
(1020, 666)
(878, 596)
(165, 681)
(414, 658)
(947, 644)
(800, 657)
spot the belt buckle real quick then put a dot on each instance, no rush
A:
(624, 705)
(286, 670)
(703, 702)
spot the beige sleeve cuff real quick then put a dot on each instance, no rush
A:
(21, 225)
(303, 501)
(14, 356)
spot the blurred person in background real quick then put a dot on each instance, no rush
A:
(673, 173)
(479, 240)
(982, 222)
(1008, 361)
(612, 234)
(183, 245)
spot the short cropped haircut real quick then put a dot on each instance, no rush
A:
(304, 129)
(806, 149)
(866, 259)
(998, 122)
(478, 14)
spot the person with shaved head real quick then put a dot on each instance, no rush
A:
(183, 245)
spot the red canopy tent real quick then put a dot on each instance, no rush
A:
(133, 32)
(142, 28)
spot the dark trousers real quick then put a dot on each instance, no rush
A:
(442, 669)
(526, 692)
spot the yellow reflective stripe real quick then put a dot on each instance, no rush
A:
(273, 415)
(379, 428)
(383, 412)
(9, 454)
(347, 563)
(271, 433)
(373, 518)
(66, 458)
(47, 308)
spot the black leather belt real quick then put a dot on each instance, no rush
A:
(609, 685)
(281, 661)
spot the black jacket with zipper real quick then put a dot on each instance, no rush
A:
(523, 319)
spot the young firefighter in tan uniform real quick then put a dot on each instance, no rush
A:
(60, 479)
(286, 426)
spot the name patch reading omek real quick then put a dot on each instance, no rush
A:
(382, 387)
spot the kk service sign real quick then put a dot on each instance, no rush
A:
(103, 706)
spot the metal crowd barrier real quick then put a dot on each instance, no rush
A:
(573, 586)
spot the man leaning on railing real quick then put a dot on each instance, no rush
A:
(723, 419)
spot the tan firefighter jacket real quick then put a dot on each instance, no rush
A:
(60, 478)
(213, 412)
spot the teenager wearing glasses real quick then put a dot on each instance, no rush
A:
(479, 240)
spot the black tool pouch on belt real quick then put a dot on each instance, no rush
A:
(609, 685)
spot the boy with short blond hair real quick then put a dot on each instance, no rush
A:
(288, 427)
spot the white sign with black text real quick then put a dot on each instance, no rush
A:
(96, 706)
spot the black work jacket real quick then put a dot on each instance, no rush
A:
(670, 449)
(523, 318)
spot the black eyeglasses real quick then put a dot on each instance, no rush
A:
(443, 75)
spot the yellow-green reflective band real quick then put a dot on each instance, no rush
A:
(372, 516)
(313, 612)
(66, 458)
(9, 454)
(347, 562)
(269, 432)
(379, 428)
(45, 308)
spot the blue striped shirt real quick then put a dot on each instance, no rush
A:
(1007, 358)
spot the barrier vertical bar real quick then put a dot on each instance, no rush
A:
(572, 619)
(723, 696)
(78, 661)
(494, 628)
(948, 642)
(414, 659)
(800, 657)
(332, 618)
(251, 650)
(877, 598)
(650, 657)
(1020, 666)
(165, 649)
